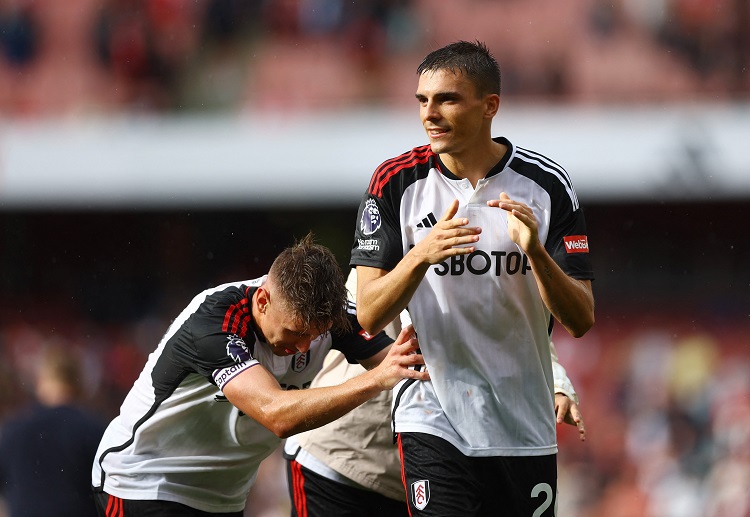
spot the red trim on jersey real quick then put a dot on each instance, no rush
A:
(403, 472)
(391, 167)
(237, 318)
(298, 488)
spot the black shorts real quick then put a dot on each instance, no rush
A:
(314, 495)
(111, 506)
(441, 481)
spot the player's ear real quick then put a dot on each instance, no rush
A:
(262, 297)
(492, 105)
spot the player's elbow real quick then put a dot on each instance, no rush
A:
(283, 429)
(578, 332)
(581, 319)
(277, 420)
(284, 433)
(368, 322)
(582, 326)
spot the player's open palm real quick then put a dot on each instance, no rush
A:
(450, 236)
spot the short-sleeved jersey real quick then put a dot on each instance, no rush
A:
(177, 438)
(482, 325)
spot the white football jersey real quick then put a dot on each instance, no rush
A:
(482, 326)
(177, 437)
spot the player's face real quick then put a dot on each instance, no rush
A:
(282, 331)
(452, 113)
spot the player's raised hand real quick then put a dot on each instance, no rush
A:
(450, 236)
(522, 224)
(402, 356)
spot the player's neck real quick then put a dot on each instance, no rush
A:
(474, 164)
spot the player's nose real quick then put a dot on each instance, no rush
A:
(430, 111)
(304, 345)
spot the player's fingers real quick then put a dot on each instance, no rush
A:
(582, 431)
(462, 237)
(451, 212)
(421, 375)
(406, 334)
(503, 202)
(457, 249)
(577, 419)
(524, 218)
(402, 336)
(409, 346)
(562, 405)
(574, 415)
(413, 359)
(408, 340)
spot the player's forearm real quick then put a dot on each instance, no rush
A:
(570, 301)
(296, 411)
(380, 299)
(381, 306)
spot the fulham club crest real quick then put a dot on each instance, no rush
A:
(300, 361)
(420, 493)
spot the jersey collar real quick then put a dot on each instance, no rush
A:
(496, 169)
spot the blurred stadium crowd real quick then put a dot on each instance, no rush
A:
(105, 56)
(665, 390)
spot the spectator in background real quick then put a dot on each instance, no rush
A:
(146, 44)
(46, 450)
(19, 33)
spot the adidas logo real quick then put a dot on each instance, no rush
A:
(428, 222)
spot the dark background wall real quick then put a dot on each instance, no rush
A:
(122, 265)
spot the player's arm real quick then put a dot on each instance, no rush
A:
(256, 392)
(384, 294)
(570, 301)
(393, 330)
(566, 399)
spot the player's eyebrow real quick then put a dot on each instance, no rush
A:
(440, 96)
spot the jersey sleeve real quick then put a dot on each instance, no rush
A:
(377, 237)
(562, 382)
(222, 356)
(358, 344)
(567, 241)
(214, 351)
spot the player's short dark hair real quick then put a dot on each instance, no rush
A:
(311, 285)
(472, 59)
